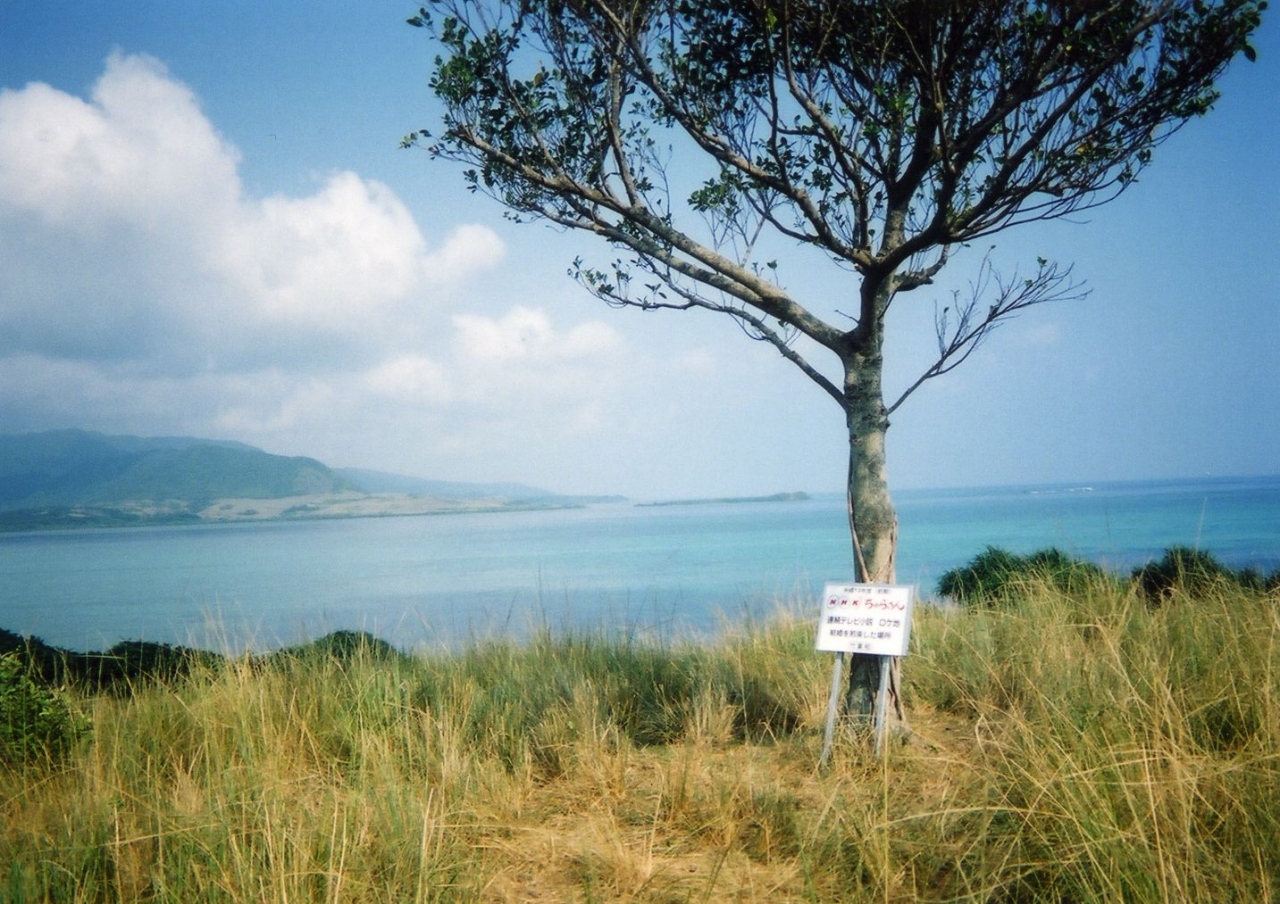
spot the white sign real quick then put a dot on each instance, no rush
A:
(865, 618)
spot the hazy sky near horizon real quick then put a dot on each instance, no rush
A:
(207, 228)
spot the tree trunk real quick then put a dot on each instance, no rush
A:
(873, 525)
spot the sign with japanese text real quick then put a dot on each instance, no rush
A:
(865, 618)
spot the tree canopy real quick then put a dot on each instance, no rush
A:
(881, 134)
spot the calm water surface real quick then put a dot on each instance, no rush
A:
(440, 580)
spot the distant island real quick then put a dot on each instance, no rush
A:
(776, 497)
(65, 479)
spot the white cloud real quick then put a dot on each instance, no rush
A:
(412, 379)
(330, 257)
(526, 334)
(140, 152)
(527, 376)
(469, 248)
(274, 404)
(125, 236)
(514, 368)
(143, 290)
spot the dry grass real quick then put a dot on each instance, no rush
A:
(1063, 749)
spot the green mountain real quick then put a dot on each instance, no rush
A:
(69, 468)
(74, 479)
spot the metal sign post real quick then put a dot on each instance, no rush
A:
(882, 701)
(872, 619)
(833, 705)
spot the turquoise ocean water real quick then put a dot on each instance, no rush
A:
(424, 581)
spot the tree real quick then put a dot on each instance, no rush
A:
(882, 134)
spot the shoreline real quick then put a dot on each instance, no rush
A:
(248, 510)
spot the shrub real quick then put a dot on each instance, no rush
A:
(1195, 573)
(341, 647)
(36, 723)
(982, 579)
(995, 574)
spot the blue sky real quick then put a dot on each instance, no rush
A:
(207, 227)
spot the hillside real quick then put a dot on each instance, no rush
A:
(75, 478)
(67, 468)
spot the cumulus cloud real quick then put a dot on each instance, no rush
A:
(330, 258)
(517, 366)
(468, 248)
(129, 237)
(410, 380)
(526, 334)
(463, 413)
(143, 289)
(138, 153)
(533, 377)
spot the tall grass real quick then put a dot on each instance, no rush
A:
(1082, 747)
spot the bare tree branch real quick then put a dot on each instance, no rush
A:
(964, 326)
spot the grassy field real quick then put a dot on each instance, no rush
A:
(1082, 747)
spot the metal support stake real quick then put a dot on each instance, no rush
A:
(882, 702)
(833, 705)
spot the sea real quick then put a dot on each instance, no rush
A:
(667, 572)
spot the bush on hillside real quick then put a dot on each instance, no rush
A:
(124, 666)
(342, 647)
(995, 574)
(36, 723)
(131, 664)
(1195, 573)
